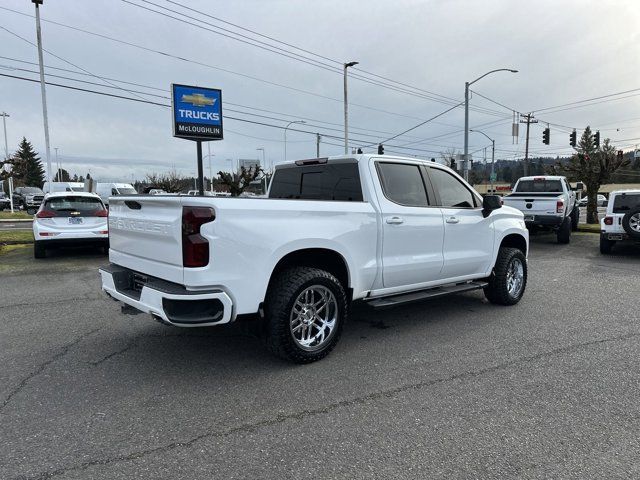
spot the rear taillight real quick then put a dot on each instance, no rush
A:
(608, 220)
(102, 213)
(46, 214)
(195, 248)
(560, 206)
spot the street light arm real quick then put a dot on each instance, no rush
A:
(478, 131)
(493, 71)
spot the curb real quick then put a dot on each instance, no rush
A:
(9, 220)
(589, 228)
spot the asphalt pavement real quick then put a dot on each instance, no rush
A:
(453, 388)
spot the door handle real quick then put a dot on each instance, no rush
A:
(452, 220)
(395, 220)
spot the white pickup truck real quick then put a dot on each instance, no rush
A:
(378, 229)
(548, 203)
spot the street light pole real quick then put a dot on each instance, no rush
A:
(346, 107)
(466, 116)
(43, 91)
(493, 153)
(285, 135)
(4, 116)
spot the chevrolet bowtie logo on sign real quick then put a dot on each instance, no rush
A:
(198, 100)
(197, 112)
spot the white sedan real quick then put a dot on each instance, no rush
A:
(70, 218)
(601, 201)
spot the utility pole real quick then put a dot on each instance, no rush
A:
(4, 116)
(58, 165)
(43, 91)
(318, 137)
(529, 120)
(346, 108)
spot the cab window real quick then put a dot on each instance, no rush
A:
(451, 191)
(402, 183)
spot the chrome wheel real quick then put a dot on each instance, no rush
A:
(634, 222)
(515, 277)
(314, 317)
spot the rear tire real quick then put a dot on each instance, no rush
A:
(305, 311)
(508, 279)
(564, 232)
(39, 251)
(606, 245)
(575, 219)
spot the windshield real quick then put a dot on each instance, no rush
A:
(32, 190)
(625, 202)
(76, 189)
(539, 186)
(127, 191)
(82, 206)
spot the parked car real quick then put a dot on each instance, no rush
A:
(106, 190)
(68, 219)
(27, 198)
(601, 201)
(4, 201)
(381, 230)
(64, 187)
(622, 220)
(548, 203)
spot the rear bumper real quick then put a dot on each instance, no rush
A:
(543, 220)
(171, 302)
(73, 242)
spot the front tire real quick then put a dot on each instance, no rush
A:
(305, 311)
(38, 250)
(508, 279)
(575, 218)
(564, 232)
(606, 245)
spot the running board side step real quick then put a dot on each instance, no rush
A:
(393, 300)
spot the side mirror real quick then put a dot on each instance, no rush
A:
(490, 203)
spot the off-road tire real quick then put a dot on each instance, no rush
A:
(38, 250)
(564, 231)
(575, 218)
(281, 296)
(497, 290)
(606, 245)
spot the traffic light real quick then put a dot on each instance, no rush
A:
(359, 151)
(453, 164)
(546, 135)
(596, 139)
(380, 149)
(620, 155)
(572, 138)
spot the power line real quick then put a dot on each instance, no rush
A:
(587, 100)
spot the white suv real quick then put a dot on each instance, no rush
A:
(622, 220)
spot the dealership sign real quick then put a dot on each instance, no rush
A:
(197, 112)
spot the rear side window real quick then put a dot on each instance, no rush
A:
(331, 181)
(402, 183)
(80, 206)
(624, 203)
(451, 191)
(539, 186)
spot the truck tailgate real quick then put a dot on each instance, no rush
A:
(533, 204)
(145, 234)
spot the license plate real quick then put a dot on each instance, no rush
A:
(75, 220)
(614, 236)
(529, 218)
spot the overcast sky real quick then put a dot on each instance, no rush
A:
(565, 52)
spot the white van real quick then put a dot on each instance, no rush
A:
(106, 190)
(63, 187)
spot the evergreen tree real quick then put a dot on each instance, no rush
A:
(27, 168)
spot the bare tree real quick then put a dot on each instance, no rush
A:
(170, 182)
(593, 166)
(239, 182)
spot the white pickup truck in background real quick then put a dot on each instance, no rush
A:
(383, 230)
(548, 203)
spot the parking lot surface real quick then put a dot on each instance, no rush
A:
(451, 388)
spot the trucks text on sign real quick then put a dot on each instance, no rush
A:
(197, 112)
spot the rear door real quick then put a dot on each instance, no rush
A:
(468, 236)
(412, 230)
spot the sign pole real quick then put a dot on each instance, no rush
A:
(200, 179)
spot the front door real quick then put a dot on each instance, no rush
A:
(413, 231)
(468, 236)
